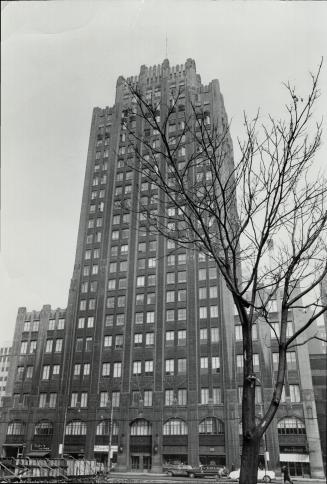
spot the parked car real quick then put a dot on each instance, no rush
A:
(177, 469)
(207, 471)
(265, 476)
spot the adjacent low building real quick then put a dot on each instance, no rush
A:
(5, 354)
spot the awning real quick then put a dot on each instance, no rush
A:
(38, 453)
(294, 458)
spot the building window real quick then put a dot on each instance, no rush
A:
(182, 396)
(73, 399)
(115, 399)
(181, 314)
(119, 341)
(216, 396)
(140, 280)
(79, 344)
(103, 399)
(170, 296)
(148, 367)
(211, 426)
(291, 425)
(42, 400)
(16, 428)
(138, 318)
(204, 396)
(239, 362)
(214, 335)
(136, 367)
(86, 369)
(295, 393)
(117, 370)
(77, 369)
(58, 347)
(275, 361)
(181, 366)
(46, 372)
(138, 339)
(29, 372)
(77, 427)
(170, 277)
(107, 342)
(88, 343)
(84, 399)
(111, 284)
(274, 330)
(151, 298)
(175, 426)
(150, 317)
(203, 312)
(105, 369)
(109, 320)
(169, 365)
(53, 400)
(291, 360)
(256, 364)
(139, 299)
(238, 332)
(202, 274)
(81, 322)
(33, 346)
(148, 398)
(181, 337)
(215, 364)
(48, 346)
(170, 336)
(213, 292)
(204, 364)
(82, 305)
(214, 311)
(55, 370)
(23, 348)
(110, 302)
(169, 397)
(149, 339)
(120, 319)
(170, 315)
(203, 335)
(90, 321)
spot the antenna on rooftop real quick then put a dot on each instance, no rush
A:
(166, 46)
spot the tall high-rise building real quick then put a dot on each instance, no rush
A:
(152, 320)
(152, 358)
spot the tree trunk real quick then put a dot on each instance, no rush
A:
(250, 461)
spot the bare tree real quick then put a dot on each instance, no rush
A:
(262, 219)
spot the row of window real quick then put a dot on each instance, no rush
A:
(53, 324)
(141, 427)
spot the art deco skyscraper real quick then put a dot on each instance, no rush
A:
(150, 324)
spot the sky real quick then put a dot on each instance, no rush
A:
(62, 58)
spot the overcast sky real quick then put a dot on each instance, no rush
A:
(60, 59)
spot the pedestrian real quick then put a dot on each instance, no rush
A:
(286, 475)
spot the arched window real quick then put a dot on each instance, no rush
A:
(103, 428)
(76, 427)
(291, 425)
(175, 426)
(141, 427)
(211, 425)
(43, 428)
(16, 428)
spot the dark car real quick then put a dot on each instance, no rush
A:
(207, 471)
(177, 469)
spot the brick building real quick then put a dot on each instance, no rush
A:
(5, 352)
(153, 361)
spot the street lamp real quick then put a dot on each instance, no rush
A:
(111, 407)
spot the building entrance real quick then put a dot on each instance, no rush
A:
(141, 462)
